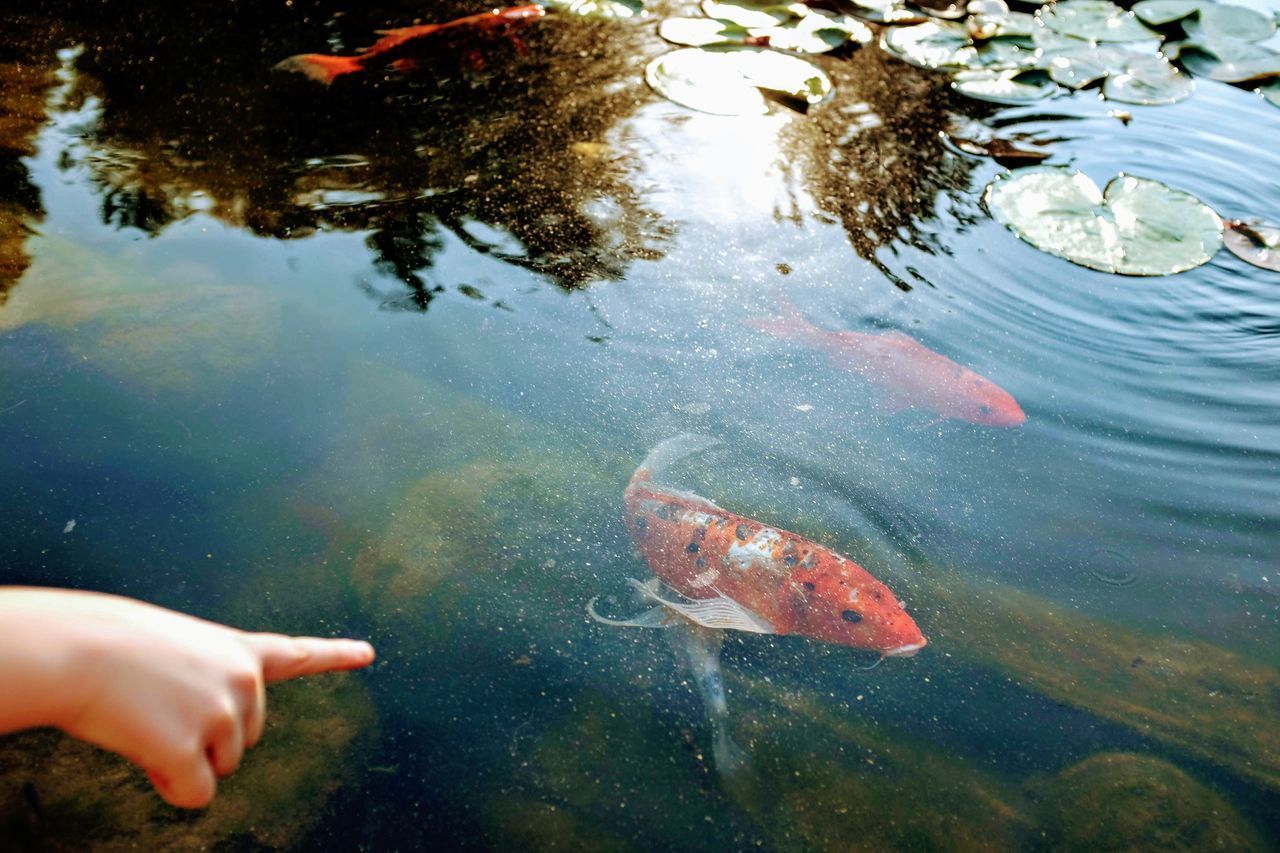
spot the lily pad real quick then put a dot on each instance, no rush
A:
(1004, 87)
(599, 8)
(888, 12)
(943, 44)
(1128, 76)
(1254, 244)
(748, 14)
(727, 80)
(700, 32)
(1136, 226)
(1216, 20)
(1095, 20)
(1271, 91)
(1228, 60)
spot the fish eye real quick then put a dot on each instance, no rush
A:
(851, 616)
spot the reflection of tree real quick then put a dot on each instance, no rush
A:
(27, 65)
(193, 119)
(874, 156)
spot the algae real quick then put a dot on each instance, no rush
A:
(1193, 697)
(1128, 802)
(60, 794)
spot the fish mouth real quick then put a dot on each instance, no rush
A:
(905, 651)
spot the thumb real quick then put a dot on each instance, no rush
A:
(289, 657)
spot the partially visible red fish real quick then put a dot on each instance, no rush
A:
(909, 374)
(403, 48)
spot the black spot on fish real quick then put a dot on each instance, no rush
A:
(702, 533)
(790, 559)
(851, 616)
(700, 563)
(692, 548)
(742, 532)
(808, 587)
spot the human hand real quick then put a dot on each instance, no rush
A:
(178, 696)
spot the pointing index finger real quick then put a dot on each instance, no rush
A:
(290, 657)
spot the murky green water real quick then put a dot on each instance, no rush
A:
(378, 360)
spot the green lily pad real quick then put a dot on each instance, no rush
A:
(700, 32)
(748, 14)
(888, 12)
(599, 8)
(1271, 91)
(1228, 60)
(1004, 87)
(1095, 20)
(1150, 80)
(727, 80)
(817, 32)
(1254, 244)
(1128, 76)
(947, 45)
(1136, 226)
(1216, 20)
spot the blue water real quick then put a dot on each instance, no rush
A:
(379, 361)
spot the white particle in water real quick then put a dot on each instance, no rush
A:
(71, 525)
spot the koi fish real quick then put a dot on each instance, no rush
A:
(715, 570)
(401, 49)
(910, 375)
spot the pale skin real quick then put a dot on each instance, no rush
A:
(180, 697)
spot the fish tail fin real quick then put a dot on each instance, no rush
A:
(730, 759)
(791, 321)
(672, 450)
(321, 67)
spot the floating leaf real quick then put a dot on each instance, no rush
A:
(1130, 77)
(786, 75)
(704, 80)
(888, 12)
(1271, 91)
(1254, 244)
(1136, 226)
(1148, 80)
(599, 8)
(1095, 20)
(747, 14)
(1004, 87)
(1215, 20)
(699, 32)
(942, 44)
(1228, 60)
(1006, 152)
(727, 80)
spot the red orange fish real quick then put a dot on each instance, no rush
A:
(403, 48)
(909, 374)
(738, 573)
(726, 571)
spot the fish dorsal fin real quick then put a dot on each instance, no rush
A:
(694, 501)
(719, 612)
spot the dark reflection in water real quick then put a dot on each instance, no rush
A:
(508, 158)
(513, 159)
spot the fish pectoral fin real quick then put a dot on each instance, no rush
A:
(655, 617)
(719, 612)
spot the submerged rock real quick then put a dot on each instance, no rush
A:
(1202, 700)
(59, 794)
(1122, 801)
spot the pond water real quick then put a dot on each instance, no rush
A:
(378, 359)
